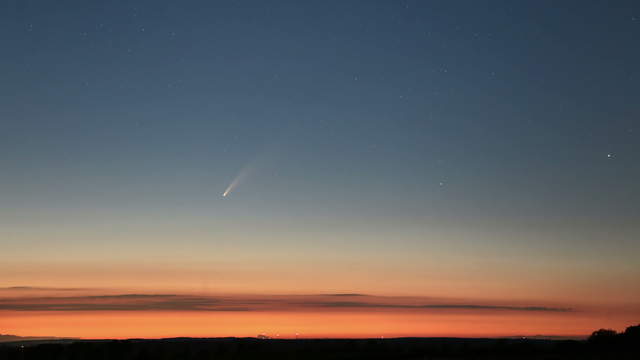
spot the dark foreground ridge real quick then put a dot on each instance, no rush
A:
(603, 344)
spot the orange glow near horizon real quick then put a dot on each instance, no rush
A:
(119, 325)
(310, 316)
(459, 304)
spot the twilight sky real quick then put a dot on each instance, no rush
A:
(449, 168)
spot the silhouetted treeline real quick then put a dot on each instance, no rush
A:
(601, 345)
(607, 338)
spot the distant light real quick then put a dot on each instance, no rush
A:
(609, 156)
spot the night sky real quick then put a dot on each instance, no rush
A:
(436, 152)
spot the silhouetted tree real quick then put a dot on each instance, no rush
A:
(602, 335)
(631, 338)
(633, 331)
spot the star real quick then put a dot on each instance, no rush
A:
(609, 156)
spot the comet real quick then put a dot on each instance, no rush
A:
(230, 188)
(255, 165)
(237, 180)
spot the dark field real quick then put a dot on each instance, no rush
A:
(250, 348)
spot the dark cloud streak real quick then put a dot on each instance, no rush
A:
(37, 288)
(351, 304)
(173, 302)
